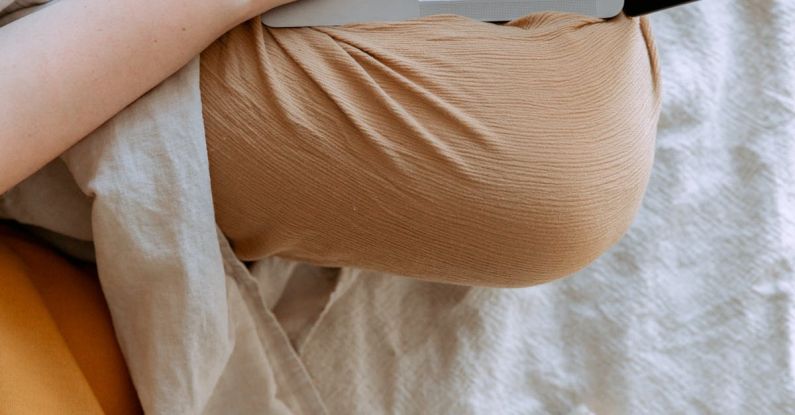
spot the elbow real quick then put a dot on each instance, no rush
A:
(550, 247)
(559, 250)
(562, 227)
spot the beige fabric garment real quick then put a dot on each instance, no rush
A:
(690, 313)
(441, 148)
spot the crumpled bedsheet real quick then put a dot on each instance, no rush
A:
(691, 313)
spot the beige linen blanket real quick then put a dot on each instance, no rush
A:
(690, 313)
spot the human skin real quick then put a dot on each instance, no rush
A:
(70, 67)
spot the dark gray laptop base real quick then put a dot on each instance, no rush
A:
(338, 12)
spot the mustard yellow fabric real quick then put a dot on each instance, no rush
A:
(58, 351)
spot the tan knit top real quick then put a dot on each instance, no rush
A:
(442, 148)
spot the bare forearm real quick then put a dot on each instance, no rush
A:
(70, 67)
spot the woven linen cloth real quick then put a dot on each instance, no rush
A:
(690, 313)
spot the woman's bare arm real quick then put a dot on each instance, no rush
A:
(68, 68)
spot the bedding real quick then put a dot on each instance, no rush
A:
(690, 313)
(48, 365)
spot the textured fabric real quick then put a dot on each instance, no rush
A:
(190, 321)
(442, 148)
(690, 313)
(12, 10)
(59, 352)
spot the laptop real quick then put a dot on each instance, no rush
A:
(339, 12)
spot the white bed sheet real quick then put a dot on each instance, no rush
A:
(691, 313)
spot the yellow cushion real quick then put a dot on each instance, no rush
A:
(59, 351)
